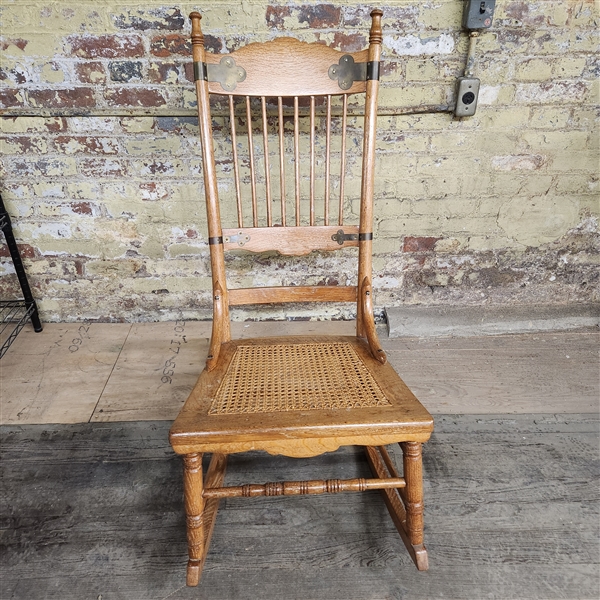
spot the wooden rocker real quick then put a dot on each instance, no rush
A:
(295, 396)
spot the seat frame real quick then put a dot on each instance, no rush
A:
(295, 433)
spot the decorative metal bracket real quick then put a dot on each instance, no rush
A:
(347, 71)
(340, 237)
(240, 239)
(227, 73)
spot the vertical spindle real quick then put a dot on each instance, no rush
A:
(343, 159)
(297, 158)
(236, 166)
(267, 166)
(252, 169)
(312, 160)
(327, 159)
(281, 158)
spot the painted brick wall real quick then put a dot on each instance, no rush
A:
(100, 163)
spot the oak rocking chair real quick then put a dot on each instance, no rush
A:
(295, 396)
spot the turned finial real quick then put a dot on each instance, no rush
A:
(376, 33)
(197, 37)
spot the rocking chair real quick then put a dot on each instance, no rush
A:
(297, 396)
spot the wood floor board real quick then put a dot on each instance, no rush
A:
(364, 583)
(118, 372)
(510, 380)
(156, 371)
(345, 583)
(511, 512)
(58, 375)
(533, 341)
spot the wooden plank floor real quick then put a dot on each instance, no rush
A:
(73, 373)
(95, 511)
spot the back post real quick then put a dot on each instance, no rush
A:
(221, 329)
(365, 246)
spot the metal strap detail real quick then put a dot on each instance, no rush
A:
(340, 237)
(240, 239)
(200, 71)
(373, 70)
(365, 237)
(347, 71)
(213, 241)
(227, 73)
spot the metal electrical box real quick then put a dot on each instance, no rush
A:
(478, 14)
(467, 93)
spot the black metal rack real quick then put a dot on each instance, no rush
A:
(15, 313)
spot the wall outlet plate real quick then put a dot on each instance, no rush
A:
(478, 14)
(467, 93)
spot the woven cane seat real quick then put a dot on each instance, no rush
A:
(288, 377)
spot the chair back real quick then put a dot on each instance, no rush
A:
(279, 159)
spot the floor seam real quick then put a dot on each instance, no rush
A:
(174, 592)
(110, 374)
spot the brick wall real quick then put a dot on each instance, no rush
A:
(100, 163)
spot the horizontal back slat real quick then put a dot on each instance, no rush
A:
(274, 295)
(302, 69)
(290, 241)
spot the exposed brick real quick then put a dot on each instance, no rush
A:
(317, 16)
(520, 11)
(46, 167)
(515, 38)
(189, 71)
(46, 189)
(32, 125)
(166, 45)
(68, 144)
(125, 71)
(134, 97)
(90, 72)
(167, 73)
(25, 251)
(20, 43)
(419, 244)
(276, 15)
(357, 16)
(82, 208)
(159, 167)
(102, 168)
(176, 123)
(213, 43)
(17, 75)
(79, 97)
(398, 18)
(18, 191)
(551, 91)
(106, 46)
(153, 191)
(10, 98)
(154, 18)
(348, 42)
(20, 144)
(53, 72)
(320, 15)
(79, 266)
(56, 124)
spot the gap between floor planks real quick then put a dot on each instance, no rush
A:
(80, 372)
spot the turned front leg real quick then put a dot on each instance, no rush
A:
(194, 509)
(413, 495)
